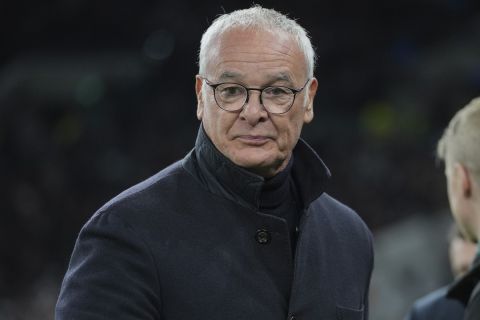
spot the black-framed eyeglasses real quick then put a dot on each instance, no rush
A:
(233, 97)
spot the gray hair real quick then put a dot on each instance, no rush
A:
(461, 139)
(257, 17)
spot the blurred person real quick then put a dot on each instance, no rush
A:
(436, 305)
(459, 147)
(241, 228)
(461, 253)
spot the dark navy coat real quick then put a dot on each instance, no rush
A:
(436, 306)
(186, 245)
(466, 289)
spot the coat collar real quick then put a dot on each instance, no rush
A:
(221, 176)
(462, 288)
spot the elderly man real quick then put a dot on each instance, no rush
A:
(241, 227)
(459, 147)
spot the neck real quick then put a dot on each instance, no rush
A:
(271, 171)
(276, 189)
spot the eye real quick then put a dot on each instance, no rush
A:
(230, 90)
(276, 91)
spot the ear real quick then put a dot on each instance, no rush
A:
(464, 179)
(311, 91)
(199, 92)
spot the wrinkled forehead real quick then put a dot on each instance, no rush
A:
(247, 44)
(250, 39)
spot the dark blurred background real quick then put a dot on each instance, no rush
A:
(97, 95)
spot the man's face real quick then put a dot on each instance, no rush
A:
(253, 138)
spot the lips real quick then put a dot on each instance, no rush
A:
(253, 140)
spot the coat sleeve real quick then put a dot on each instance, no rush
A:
(112, 275)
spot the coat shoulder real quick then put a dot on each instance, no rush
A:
(147, 198)
(436, 305)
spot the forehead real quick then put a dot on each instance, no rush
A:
(256, 54)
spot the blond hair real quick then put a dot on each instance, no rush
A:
(461, 139)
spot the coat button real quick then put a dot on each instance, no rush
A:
(263, 236)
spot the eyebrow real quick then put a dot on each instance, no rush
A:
(232, 75)
(229, 75)
(282, 76)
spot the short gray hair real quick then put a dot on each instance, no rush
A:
(461, 139)
(258, 17)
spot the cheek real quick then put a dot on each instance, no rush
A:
(218, 123)
(210, 123)
(293, 128)
(211, 112)
(287, 140)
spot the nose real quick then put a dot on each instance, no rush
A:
(253, 111)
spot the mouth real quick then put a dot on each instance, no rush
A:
(253, 140)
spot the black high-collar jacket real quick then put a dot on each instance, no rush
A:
(190, 243)
(467, 290)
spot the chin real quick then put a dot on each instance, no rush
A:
(261, 166)
(251, 164)
(467, 232)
